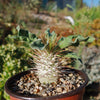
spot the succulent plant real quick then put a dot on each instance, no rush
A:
(48, 49)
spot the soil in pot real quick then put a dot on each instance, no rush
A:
(29, 84)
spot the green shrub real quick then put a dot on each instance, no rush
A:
(12, 60)
(86, 14)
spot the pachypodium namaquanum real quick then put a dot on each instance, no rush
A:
(48, 49)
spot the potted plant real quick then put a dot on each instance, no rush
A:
(49, 79)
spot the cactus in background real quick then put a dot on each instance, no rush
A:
(48, 49)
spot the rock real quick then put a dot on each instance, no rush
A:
(61, 80)
(44, 94)
(40, 88)
(53, 93)
(36, 91)
(31, 90)
(70, 75)
(59, 89)
(64, 91)
(49, 94)
(78, 85)
(67, 88)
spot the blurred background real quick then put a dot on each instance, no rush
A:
(65, 17)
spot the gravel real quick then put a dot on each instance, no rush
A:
(66, 82)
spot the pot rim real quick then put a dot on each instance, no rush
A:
(71, 93)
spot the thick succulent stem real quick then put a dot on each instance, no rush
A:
(46, 67)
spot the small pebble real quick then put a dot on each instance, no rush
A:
(59, 89)
(44, 94)
(40, 88)
(78, 85)
(61, 79)
(53, 93)
(70, 75)
(64, 91)
(50, 94)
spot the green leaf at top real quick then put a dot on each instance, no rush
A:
(73, 55)
(47, 32)
(32, 36)
(24, 33)
(66, 41)
(37, 44)
(51, 38)
(91, 39)
(50, 35)
(81, 38)
(53, 35)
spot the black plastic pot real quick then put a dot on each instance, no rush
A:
(76, 94)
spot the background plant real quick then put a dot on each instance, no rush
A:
(91, 60)
(87, 14)
(87, 24)
(13, 60)
(84, 18)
